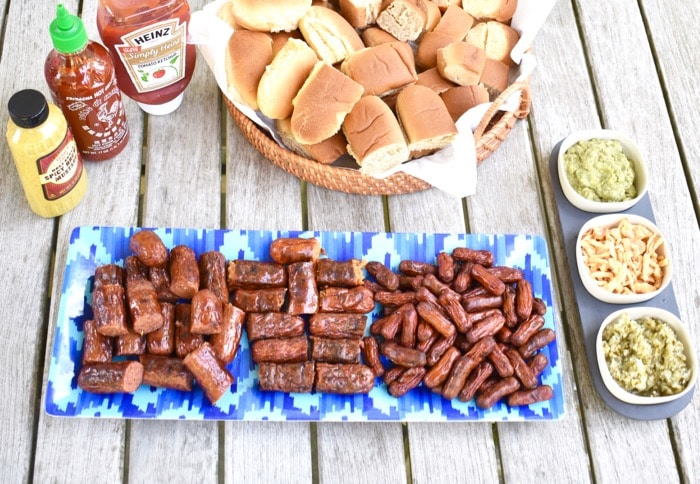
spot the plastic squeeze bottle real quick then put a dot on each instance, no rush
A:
(148, 42)
(47, 159)
(81, 78)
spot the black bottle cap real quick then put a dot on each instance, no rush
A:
(28, 108)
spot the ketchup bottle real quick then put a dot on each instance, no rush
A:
(147, 39)
(81, 78)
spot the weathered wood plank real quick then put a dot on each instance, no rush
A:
(77, 448)
(182, 189)
(261, 196)
(345, 450)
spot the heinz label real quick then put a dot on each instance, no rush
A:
(154, 56)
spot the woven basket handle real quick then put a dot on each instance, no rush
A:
(520, 113)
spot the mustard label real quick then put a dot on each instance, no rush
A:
(60, 170)
(154, 56)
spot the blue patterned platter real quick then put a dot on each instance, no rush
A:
(94, 246)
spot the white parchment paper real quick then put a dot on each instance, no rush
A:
(452, 169)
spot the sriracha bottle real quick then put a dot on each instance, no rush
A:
(80, 75)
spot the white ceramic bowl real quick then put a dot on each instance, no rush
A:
(683, 337)
(591, 285)
(632, 152)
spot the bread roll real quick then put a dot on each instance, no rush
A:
(404, 19)
(283, 78)
(426, 54)
(374, 136)
(279, 39)
(374, 36)
(322, 103)
(360, 13)
(247, 55)
(445, 4)
(225, 13)
(325, 152)
(434, 80)
(425, 119)
(501, 10)
(494, 77)
(329, 34)
(460, 99)
(383, 69)
(496, 39)
(455, 22)
(432, 15)
(461, 63)
(269, 16)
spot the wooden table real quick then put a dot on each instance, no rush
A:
(629, 65)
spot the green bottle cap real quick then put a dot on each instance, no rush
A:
(67, 32)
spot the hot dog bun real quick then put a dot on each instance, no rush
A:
(496, 39)
(322, 103)
(283, 78)
(461, 63)
(269, 16)
(501, 10)
(374, 136)
(424, 118)
(494, 77)
(383, 69)
(329, 34)
(325, 152)
(247, 55)
(460, 99)
(404, 19)
(360, 13)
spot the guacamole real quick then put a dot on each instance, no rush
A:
(599, 170)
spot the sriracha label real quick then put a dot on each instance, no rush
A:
(154, 56)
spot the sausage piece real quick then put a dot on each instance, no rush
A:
(148, 247)
(260, 300)
(537, 341)
(406, 357)
(370, 353)
(337, 325)
(287, 377)
(475, 379)
(109, 274)
(225, 343)
(483, 257)
(184, 272)
(185, 341)
(206, 312)
(144, 308)
(109, 310)
(335, 350)
(302, 288)
(166, 372)
(383, 275)
(251, 274)
(288, 350)
(274, 325)
(530, 396)
(352, 300)
(495, 392)
(344, 378)
(488, 280)
(339, 273)
(129, 344)
(212, 274)
(209, 372)
(438, 373)
(97, 348)
(433, 316)
(287, 250)
(407, 380)
(160, 277)
(111, 377)
(162, 341)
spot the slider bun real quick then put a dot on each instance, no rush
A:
(329, 34)
(322, 103)
(269, 16)
(247, 55)
(283, 78)
(460, 99)
(383, 69)
(433, 79)
(324, 152)
(374, 136)
(461, 63)
(373, 36)
(360, 13)
(455, 22)
(426, 54)
(404, 19)
(496, 39)
(501, 10)
(432, 14)
(494, 77)
(425, 119)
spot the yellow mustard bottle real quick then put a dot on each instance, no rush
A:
(47, 159)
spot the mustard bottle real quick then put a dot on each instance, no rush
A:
(46, 156)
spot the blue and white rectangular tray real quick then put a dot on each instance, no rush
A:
(91, 247)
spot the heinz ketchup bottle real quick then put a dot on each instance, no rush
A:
(80, 75)
(147, 39)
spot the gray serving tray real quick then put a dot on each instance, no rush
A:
(592, 312)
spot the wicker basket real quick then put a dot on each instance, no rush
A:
(490, 133)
